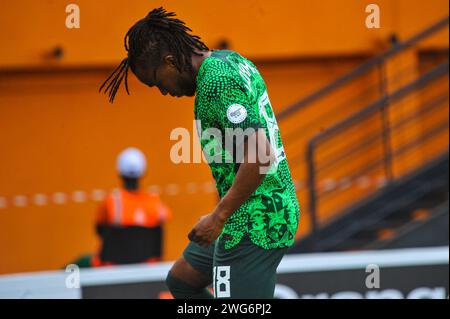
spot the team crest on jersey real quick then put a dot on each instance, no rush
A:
(236, 113)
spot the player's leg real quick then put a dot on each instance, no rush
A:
(245, 271)
(190, 276)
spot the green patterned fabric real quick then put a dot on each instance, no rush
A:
(232, 95)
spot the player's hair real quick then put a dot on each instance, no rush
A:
(146, 42)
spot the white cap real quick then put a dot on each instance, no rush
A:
(131, 163)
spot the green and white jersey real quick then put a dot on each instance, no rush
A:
(232, 95)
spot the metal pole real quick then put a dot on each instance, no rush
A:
(385, 131)
(312, 194)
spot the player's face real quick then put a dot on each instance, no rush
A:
(168, 79)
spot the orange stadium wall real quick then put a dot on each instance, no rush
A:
(260, 29)
(60, 136)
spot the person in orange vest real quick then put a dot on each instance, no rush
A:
(129, 221)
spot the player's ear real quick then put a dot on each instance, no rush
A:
(169, 60)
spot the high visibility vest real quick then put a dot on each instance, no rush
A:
(123, 208)
(126, 208)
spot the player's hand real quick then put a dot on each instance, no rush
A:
(207, 230)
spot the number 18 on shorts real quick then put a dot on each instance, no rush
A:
(221, 281)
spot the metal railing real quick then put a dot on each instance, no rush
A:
(375, 62)
(372, 109)
(382, 101)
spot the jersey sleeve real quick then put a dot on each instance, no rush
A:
(230, 105)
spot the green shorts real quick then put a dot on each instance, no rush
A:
(245, 271)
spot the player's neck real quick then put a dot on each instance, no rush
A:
(131, 184)
(197, 60)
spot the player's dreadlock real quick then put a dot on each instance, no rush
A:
(151, 37)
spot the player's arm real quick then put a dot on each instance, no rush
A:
(229, 105)
(250, 175)
(258, 156)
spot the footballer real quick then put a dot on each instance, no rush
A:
(239, 245)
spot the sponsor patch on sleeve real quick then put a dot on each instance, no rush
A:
(236, 113)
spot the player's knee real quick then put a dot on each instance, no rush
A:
(178, 288)
(171, 282)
